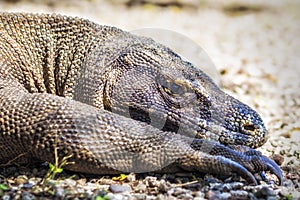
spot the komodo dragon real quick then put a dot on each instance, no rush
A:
(115, 102)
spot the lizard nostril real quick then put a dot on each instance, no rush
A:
(249, 127)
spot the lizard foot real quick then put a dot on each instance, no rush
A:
(216, 165)
(246, 163)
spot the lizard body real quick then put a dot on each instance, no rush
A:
(116, 102)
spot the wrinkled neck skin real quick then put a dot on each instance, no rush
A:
(148, 82)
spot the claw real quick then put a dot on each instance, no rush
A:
(240, 170)
(274, 168)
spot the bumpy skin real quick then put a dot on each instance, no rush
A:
(116, 102)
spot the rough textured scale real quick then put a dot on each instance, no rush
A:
(116, 102)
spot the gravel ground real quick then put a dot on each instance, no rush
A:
(254, 47)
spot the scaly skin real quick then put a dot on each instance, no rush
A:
(116, 102)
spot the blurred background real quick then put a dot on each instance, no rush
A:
(234, 33)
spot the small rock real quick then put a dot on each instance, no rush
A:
(60, 192)
(239, 194)
(139, 196)
(70, 182)
(226, 187)
(236, 185)
(185, 196)
(114, 188)
(199, 194)
(288, 183)
(277, 158)
(140, 188)
(163, 186)
(115, 196)
(81, 181)
(17, 196)
(264, 192)
(6, 197)
(131, 177)
(209, 179)
(27, 185)
(21, 179)
(160, 196)
(224, 196)
(179, 191)
(216, 186)
(27, 196)
(151, 181)
(34, 181)
(212, 194)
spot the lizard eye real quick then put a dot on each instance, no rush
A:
(175, 92)
(171, 87)
(174, 89)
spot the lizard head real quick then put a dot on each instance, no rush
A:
(150, 83)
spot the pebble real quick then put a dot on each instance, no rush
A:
(115, 196)
(140, 188)
(114, 188)
(288, 183)
(27, 185)
(216, 186)
(6, 197)
(212, 194)
(186, 196)
(131, 177)
(209, 179)
(295, 136)
(237, 185)
(70, 182)
(223, 195)
(28, 196)
(264, 192)
(226, 187)
(239, 194)
(179, 191)
(21, 179)
(164, 187)
(140, 196)
(199, 194)
(59, 192)
(151, 181)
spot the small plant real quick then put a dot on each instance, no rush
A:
(3, 187)
(57, 167)
(105, 197)
(289, 197)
